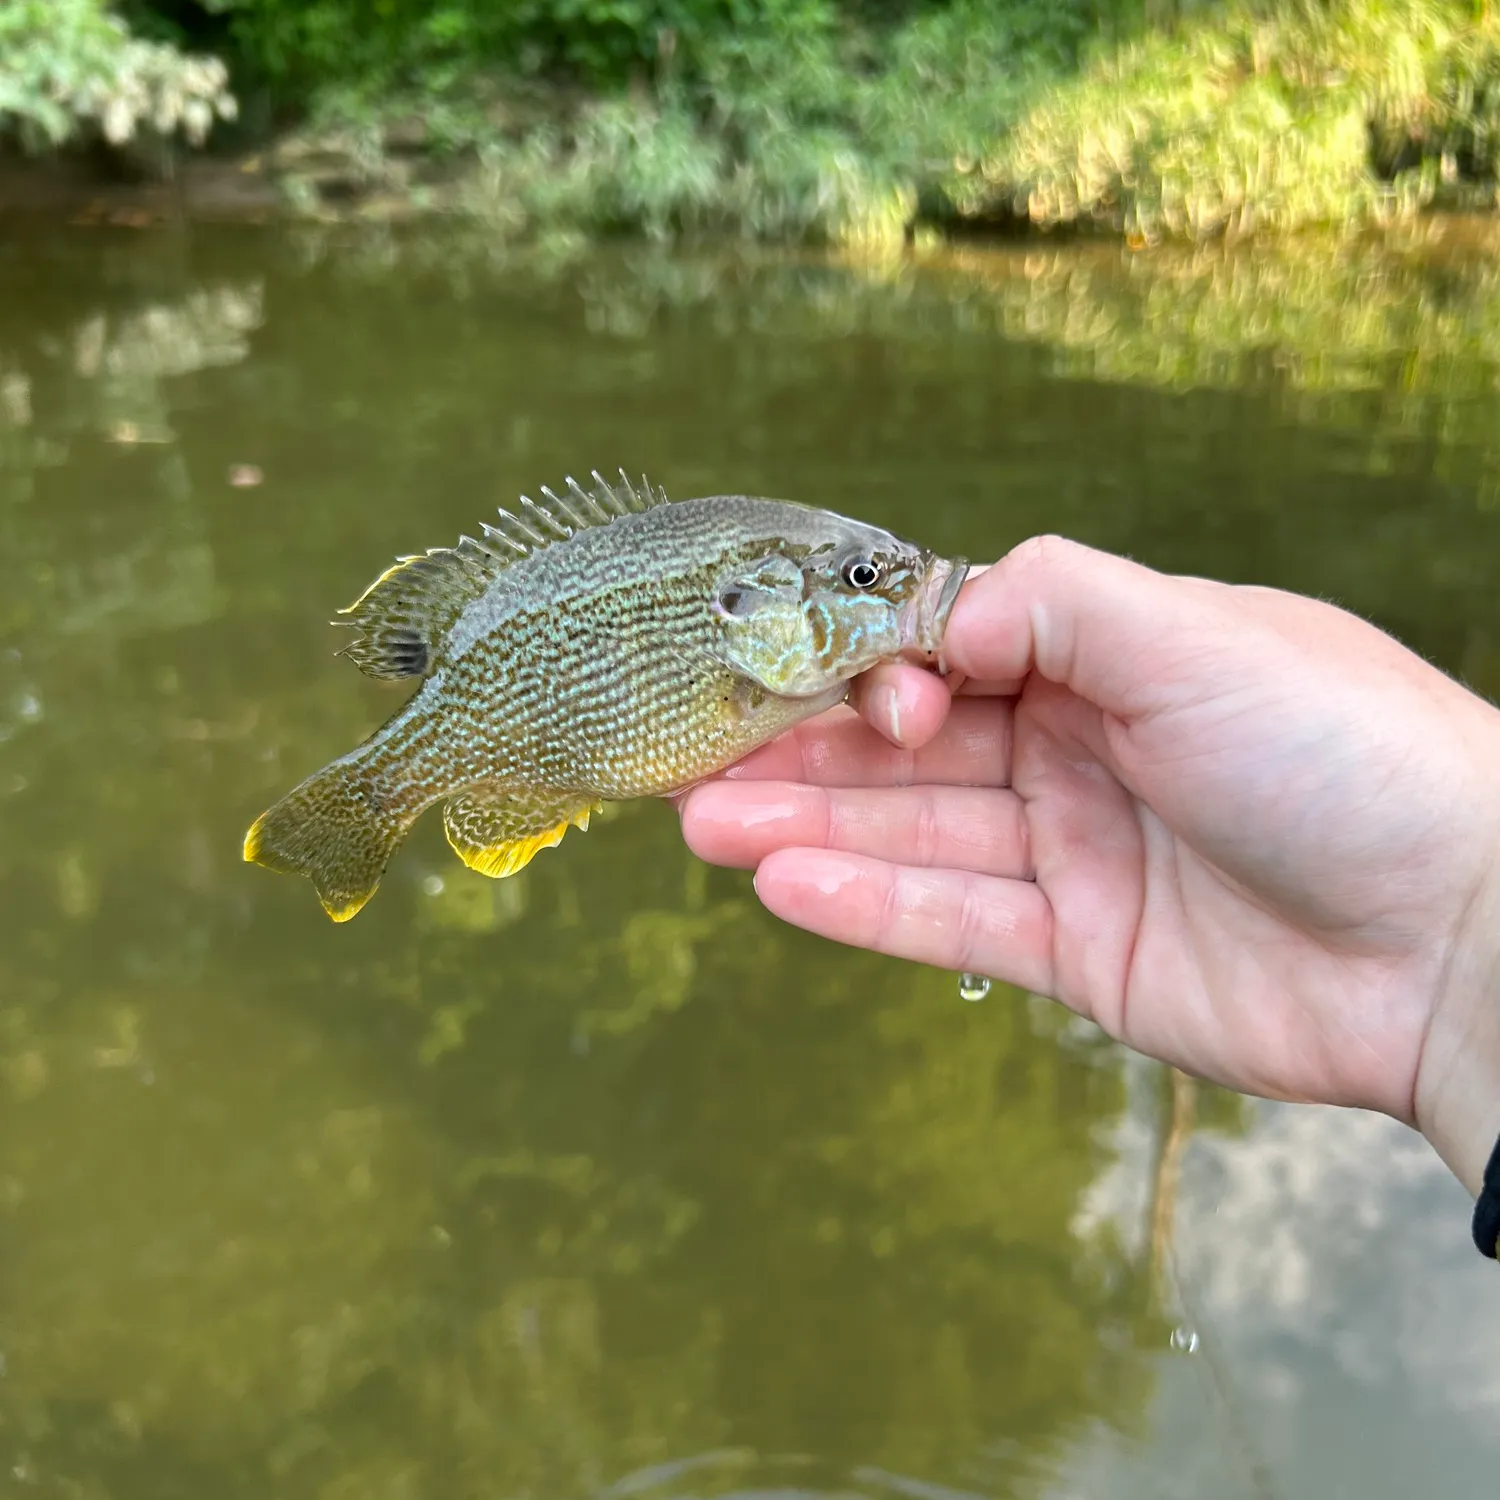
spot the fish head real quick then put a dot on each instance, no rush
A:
(830, 599)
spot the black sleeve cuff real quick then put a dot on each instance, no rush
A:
(1487, 1210)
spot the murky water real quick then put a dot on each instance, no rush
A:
(599, 1182)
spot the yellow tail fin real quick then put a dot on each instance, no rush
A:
(332, 830)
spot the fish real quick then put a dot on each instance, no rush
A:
(597, 645)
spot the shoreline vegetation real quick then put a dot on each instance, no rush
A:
(836, 122)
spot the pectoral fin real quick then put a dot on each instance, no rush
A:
(498, 831)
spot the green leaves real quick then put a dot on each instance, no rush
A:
(1257, 116)
(822, 119)
(69, 66)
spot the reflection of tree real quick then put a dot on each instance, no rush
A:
(574, 1184)
(827, 1217)
(857, 384)
(146, 563)
(528, 1186)
(113, 363)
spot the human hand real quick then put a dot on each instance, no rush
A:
(1244, 831)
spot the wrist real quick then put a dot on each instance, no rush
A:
(1458, 1081)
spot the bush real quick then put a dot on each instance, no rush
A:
(805, 129)
(302, 44)
(68, 67)
(825, 119)
(629, 166)
(1271, 116)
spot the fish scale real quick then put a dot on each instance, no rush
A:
(596, 646)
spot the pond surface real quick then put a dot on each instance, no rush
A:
(598, 1182)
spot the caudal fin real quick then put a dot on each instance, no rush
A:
(331, 830)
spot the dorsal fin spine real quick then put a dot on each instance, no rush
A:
(543, 519)
(557, 503)
(592, 510)
(494, 533)
(406, 612)
(516, 532)
(529, 534)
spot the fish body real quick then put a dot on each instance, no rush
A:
(597, 646)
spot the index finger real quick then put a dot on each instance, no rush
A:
(973, 748)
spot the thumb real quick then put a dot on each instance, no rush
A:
(1114, 632)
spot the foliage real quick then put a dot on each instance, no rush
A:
(1261, 115)
(957, 77)
(303, 44)
(833, 120)
(806, 123)
(633, 167)
(795, 131)
(69, 66)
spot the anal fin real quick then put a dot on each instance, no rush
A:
(499, 830)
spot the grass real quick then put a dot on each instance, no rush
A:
(1261, 117)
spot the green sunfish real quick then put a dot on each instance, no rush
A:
(594, 646)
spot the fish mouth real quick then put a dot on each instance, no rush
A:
(928, 621)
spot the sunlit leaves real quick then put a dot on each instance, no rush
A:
(67, 66)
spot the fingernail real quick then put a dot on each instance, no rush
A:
(885, 710)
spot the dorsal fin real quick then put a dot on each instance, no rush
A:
(403, 615)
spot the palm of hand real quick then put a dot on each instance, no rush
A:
(1206, 907)
(1242, 869)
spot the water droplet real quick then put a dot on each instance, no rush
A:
(973, 986)
(433, 885)
(1184, 1339)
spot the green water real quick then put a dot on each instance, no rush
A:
(598, 1181)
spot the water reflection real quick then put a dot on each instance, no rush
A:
(1341, 1307)
(598, 1181)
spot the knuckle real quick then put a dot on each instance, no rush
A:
(1046, 553)
(926, 834)
(829, 821)
(971, 926)
(1025, 864)
(891, 909)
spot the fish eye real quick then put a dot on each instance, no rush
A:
(861, 573)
